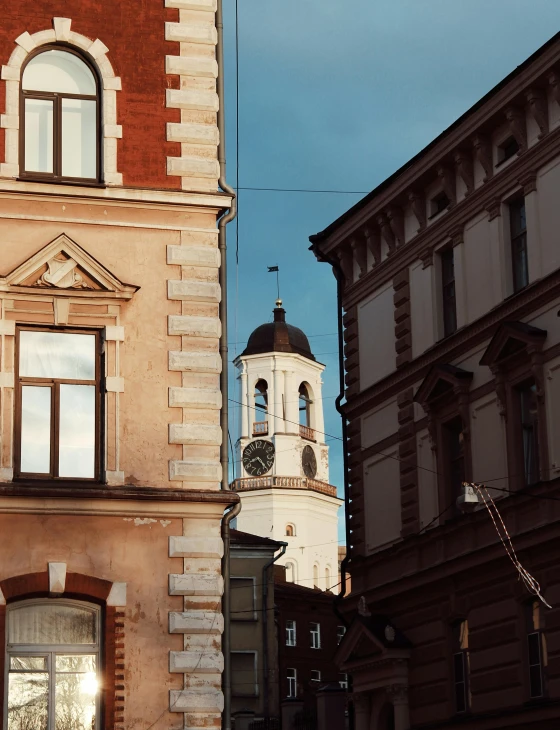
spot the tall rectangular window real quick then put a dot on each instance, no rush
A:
(448, 292)
(340, 631)
(315, 635)
(536, 649)
(291, 677)
(454, 455)
(244, 681)
(518, 233)
(58, 404)
(461, 665)
(290, 633)
(243, 599)
(528, 409)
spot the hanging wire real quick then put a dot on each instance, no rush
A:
(530, 583)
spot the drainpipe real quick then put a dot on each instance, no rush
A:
(266, 707)
(224, 413)
(226, 610)
(342, 387)
(339, 275)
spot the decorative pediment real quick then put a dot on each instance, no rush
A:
(371, 640)
(510, 339)
(64, 267)
(441, 380)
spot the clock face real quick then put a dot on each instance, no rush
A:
(309, 462)
(258, 457)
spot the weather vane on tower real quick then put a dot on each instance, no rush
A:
(272, 269)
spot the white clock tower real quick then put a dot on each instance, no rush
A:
(281, 453)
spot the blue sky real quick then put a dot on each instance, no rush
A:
(337, 94)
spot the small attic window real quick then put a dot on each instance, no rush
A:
(438, 204)
(507, 149)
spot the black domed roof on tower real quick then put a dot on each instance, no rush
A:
(278, 336)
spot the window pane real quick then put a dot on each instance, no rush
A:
(51, 624)
(28, 663)
(58, 71)
(79, 138)
(38, 135)
(57, 355)
(75, 663)
(76, 450)
(28, 698)
(75, 700)
(35, 430)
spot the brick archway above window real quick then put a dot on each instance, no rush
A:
(112, 596)
(96, 51)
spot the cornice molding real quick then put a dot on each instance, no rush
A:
(450, 348)
(482, 198)
(471, 127)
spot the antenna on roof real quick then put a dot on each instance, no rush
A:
(271, 270)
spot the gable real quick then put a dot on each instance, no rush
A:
(64, 267)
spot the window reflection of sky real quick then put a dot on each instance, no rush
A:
(62, 355)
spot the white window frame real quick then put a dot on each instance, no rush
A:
(291, 676)
(317, 673)
(343, 681)
(340, 633)
(315, 635)
(291, 632)
(50, 650)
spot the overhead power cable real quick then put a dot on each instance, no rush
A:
(306, 190)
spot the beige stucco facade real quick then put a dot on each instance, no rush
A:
(134, 259)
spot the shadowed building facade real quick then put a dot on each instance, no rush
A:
(110, 476)
(449, 278)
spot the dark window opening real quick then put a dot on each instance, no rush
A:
(528, 408)
(438, 204)
(508, 149)
(454, 455)
(518, 233)
(304, 406)
(461, 666)
(448, 292)
(536, 649)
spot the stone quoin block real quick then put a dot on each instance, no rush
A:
(193, 133)
(201, 362)
(208, 5)
(194, 291)
(204, 32)
(195, 547)
(192, 584)
(196, 700)
(198, 471)
(209, 662)
(194, 434)
(200, 66)
(193, 326)
(193, 167)
(204, 101)
(195, 398)
(196, 622)
(192, 255)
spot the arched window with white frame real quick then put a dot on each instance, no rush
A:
(291, 572)
(53, 656)
(60, 124)
(290, 530)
